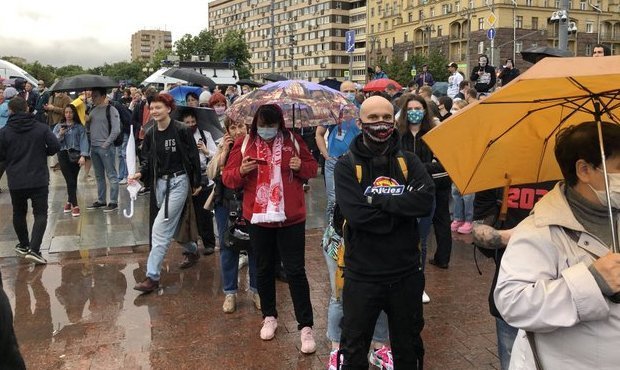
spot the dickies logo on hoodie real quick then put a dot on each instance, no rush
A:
(384, 185)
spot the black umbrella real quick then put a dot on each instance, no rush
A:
(83, 82)
(331, 83)
(206, 119)
(249, 82)
(533, 55)
(191, 76)
(274, 77)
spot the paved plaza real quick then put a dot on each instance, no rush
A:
(80, 311)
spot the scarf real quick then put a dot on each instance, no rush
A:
(269, 201)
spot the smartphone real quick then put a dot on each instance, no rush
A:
(259, 161)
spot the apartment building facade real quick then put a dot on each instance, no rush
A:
(145, 43)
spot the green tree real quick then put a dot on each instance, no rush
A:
(69, 70)
(397, 70)
(158, 56)
(46, 73)
(205, 43)
(185, 47)
(233, 48)
(436, 64)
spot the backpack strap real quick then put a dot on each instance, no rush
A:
(356, 165)
(244, 145)
(402, 163)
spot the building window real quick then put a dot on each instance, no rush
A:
(372, 12)
(582, 5)
(588, 49)
(589, 27)
(534, 23)
(481, 47)
(480, 23)
(386, 44)
(406, 37)
(378, 27)
(432, 11)
(519, 21)
(410, 17)
(421, 14)
(372, 28)
(439, 31)
(406, 55)
(457, 6)
(528, 3)
(518, 46)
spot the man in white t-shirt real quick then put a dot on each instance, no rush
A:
(454, 80)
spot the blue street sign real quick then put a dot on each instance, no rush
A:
(491, 33)
(349, 41)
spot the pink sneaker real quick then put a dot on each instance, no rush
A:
(268, 331)
(466, 228)
(308, 345)
(381, 358)
(454, 226)
(334, 364)
(67, 208)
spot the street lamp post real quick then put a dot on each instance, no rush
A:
(598, 21)
(429, 28)
(514, 30)
(273, 39)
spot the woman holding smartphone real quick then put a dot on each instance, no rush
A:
(271, 165)
(74, 148)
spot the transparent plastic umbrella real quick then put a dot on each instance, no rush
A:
(130, 158)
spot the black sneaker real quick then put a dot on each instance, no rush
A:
(22, 250)
(144, 191)
(36, 257)
(96, 205)
(110, 207)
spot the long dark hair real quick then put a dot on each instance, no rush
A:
(76, 116)
(427, 120)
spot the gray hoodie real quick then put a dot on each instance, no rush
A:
(100, 135)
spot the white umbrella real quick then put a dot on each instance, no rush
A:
(130, 158)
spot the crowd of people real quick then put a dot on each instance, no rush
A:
(384, 186)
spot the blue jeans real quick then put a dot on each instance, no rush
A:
(103, 162)
(330, 189)
(424, 228)
(121, 152)
(506, 335)
(229, 259)
(334, 310)
(164, 230)
(463, 205)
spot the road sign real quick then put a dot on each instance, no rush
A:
(349, 41)
(346, 74)
(491, 32)
(491, 19)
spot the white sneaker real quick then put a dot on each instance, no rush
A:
(268, 331)
(425, 297)
(243, 260)
(122, 182)
(308, 345)
(230, 303)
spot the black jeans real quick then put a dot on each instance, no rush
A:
(402, 302)
(70, 171)
(19, 198)
(204, 218)
(290, 242)
(441, 224)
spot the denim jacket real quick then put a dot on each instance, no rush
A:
(74, 138)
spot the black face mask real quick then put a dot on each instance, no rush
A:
(193, 128)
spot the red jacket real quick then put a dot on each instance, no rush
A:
(292, 182)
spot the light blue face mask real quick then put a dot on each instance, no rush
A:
(267, 133)
(414, 117)
(350, 97)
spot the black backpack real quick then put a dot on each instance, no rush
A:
(119, 139)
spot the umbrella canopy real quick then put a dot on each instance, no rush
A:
(83, 82)
(180, 92)
(511, 134)
(274, 77)
(206, 119)
(533, 55)
(249, 82)
(191, 76)
(303, 104)
(380, 84)
(330, 82)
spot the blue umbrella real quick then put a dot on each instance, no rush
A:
(180, 92)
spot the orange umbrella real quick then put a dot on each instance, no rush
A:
(511, 134)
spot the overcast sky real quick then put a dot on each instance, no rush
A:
(90, 33)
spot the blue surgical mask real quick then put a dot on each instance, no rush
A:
(267, 133)
(350, 97)
(414, 117)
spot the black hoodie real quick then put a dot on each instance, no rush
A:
(381, 233)
(25, 144)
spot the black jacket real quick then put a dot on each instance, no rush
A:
(381, 232)
(25, 145)
(483, 87)
(417, 146)
(508, 74)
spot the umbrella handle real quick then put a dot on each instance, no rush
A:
(130, 213)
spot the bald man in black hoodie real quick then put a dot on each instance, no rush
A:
(382, 259)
